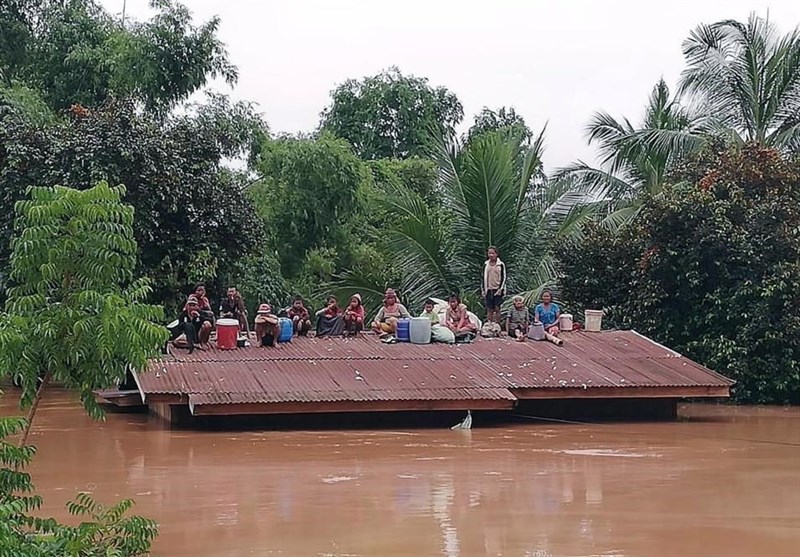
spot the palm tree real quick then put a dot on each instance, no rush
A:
(749, 78)
(493, 193)
(631, 161)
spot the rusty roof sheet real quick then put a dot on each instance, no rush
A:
(363, 369)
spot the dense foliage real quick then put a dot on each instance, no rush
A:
(75, 311)
(390, 115)
(384, 193)
(191, 215)
(709, 267)
(73, 52)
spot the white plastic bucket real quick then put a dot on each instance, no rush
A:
(565, 322)
(420, 330)
(594, 320)
(536, 332)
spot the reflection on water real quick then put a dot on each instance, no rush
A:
(708, 485)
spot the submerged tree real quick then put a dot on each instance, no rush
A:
(709, 267)
(75, 312)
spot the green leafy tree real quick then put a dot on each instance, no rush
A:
(504, 118)
(747, 77)
(74, 52)
(487, 199)
(75, 311)
(417, 174)
(306, 193)
(191, 214)
(710, 268)
(390, 115)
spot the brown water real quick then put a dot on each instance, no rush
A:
(721, 482)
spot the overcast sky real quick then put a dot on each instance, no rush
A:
(553, 61)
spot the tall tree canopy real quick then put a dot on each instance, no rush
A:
(487, 199)
(191, 214)
(501, 119)
(74, 52)
(306, 195)
(390, 115)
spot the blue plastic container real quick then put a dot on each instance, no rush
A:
(404, 330)
(286, 329)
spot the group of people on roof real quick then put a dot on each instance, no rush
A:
(450, 322)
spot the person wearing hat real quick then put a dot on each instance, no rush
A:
(266, 325)
(354, 315)
(386, 321)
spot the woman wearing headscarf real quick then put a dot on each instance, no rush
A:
(386, 321)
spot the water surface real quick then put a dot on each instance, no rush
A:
(723, 481)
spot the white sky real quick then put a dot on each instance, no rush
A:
(555, 61)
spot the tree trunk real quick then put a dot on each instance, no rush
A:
(34, 407)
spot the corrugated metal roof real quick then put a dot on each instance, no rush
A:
(363, 369)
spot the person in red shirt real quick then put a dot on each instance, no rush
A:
(299, 315)
(354, 315)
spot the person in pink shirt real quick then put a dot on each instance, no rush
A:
(354, 316)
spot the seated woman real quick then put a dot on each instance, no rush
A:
(386, 321)
(329, 319)
(301, 320)
(192, 326)
(518, 320)
(267, 328)
(354, 316)
(547, 313)
(457, 319)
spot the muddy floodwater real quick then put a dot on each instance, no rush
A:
(722, 481)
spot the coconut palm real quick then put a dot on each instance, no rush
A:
(630, 164)
(749, 78)
(492, 194)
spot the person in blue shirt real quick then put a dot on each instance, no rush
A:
(547, 313)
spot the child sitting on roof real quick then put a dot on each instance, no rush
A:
(438, 333)
(301, 320)
(354, 315)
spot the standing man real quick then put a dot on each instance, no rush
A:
(232, 307)
(493, 287)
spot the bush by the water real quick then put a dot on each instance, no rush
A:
(710, 267)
